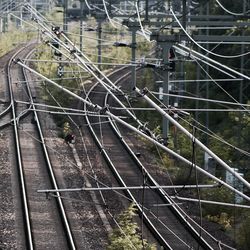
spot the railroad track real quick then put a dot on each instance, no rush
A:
(43, 223)
(168, 224)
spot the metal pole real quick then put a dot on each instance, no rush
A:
(133, 58)
(146, 11)
(165, 56)
(198, 73)
(65, 14)
(123, 188)
(81, 24)
(209, 202)
(184, 13)
(197, 141)
(242, 59)
(99, 46)
(207, 83)
(5, 23)
(117, 119)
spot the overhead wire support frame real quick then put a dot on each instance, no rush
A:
(124, 188)
(197, 141)
(114, 117)
(133, 27)
(165, 44)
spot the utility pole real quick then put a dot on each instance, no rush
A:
(65, 16)
(146, 20)
(81, 24)
(100, 17)
(5, 22)
(184, 13)
(207, 83)
(133, 57)
(99, 46)
(165, 45)
(21, 17)
(198, 73)
(242, 59)
(165, 56)
(133, 28)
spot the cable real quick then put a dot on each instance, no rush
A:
(107, 13)
(90, 8)
(215, 136)
(87, 156)
(194, 54)
(125, 197)
(192, 166)
(212, 134)
(230, 12)
(203, 99)
(220, 86)
(140, 22)
(144, 176)
(208, 51)
(196, 181)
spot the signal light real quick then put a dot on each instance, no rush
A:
(60, 71)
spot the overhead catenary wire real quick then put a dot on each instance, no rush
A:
(207, 62)
(88, 63)
(135, 130)
(140, 22)
(208, 51)
(203, 99)
(199, 143)
(88, 5)
(210, 133)
(228, 94)
(190, 52)
(183, 109)
(217, 203)
(230, 12)
(107, 13)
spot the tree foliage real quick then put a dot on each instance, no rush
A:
(126, 236)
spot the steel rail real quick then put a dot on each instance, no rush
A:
(27, 220)
(117, 175)
(132, 128)
(160, 189)
(64, 218)
(147, 221)
(4, 112)
(162, 193)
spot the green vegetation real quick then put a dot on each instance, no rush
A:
(127, 236)
(233, 126)
(12, 39)
(51, 94)
(243, 233)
